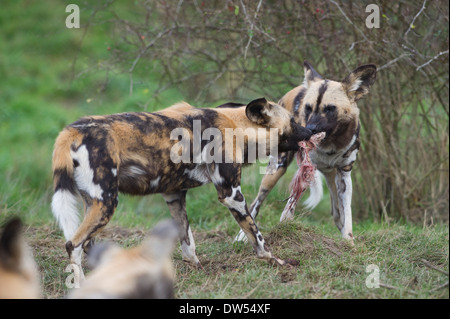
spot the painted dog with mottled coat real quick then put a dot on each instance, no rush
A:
(142, 272)
(19, 276)
(97, 157)
(323, 105)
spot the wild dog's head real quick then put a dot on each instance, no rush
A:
(143, 272)
(18, 272)
(271, 115)
(330, 106)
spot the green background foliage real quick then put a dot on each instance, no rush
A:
(212, 52)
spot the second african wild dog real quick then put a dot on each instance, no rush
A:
(19, 276)
(146, 271)
(323, 105)
(98, 156)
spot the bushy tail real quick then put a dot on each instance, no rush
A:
(65, 198)
(315, 192)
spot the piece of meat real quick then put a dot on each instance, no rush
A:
(306, 169)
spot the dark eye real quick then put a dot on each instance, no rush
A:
(308, 108)
(329, 109)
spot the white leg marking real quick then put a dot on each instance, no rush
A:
(188, 251)
(344, 189)
(230, 202)
(241, 235)
(288, 213)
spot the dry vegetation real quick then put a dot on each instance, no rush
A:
(329, 268)
(235, 50)
(145, 55)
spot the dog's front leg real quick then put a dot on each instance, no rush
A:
(267, 184)
(330, 178)
(177, 206)
(343, 183)
(226, 179)
(270, 180)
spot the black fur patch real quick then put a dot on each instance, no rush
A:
(64, 181)
(230, 105)
(298, 101)
(322, 90)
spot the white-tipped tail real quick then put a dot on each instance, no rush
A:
(315, 192)
(65, 210)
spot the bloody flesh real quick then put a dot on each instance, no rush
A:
(306, 169)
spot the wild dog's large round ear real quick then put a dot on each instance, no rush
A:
(357, 83)
(11, 245)
(311, 75)
(258, 111)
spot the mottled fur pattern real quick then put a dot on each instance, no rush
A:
(19, 278)
(142, 272)
(323, 105)
(97, 157)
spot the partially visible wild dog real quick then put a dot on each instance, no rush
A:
(323, 105)
(19, 278)
(143, 272)
(98, 156)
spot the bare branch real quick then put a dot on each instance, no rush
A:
(394, 288)
(393, 61)
(348, 19)
(440, 287)
(428, 62)
(429, 265)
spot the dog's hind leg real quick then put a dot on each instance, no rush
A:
(97, 216)
(177, 206)
(95, 175)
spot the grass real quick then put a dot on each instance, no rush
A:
(329, 267)
(38, 98)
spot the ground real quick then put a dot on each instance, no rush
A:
(328, 266)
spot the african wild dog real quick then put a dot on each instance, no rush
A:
(143, 272)
(19, 277)
(98, 156)
(325, 106)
